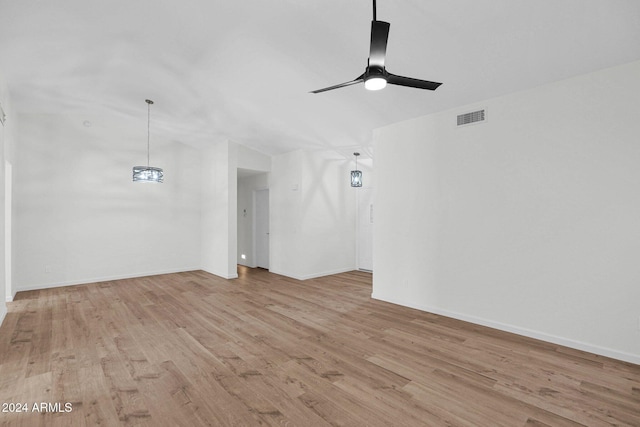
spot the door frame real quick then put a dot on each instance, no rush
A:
(254, 226)
(358, 246)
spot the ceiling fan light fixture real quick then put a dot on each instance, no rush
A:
(375, 83)
(376, 76)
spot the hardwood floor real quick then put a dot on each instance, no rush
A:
(191, 349)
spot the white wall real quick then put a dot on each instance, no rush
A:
(219, 187)
(327, 216)
(312, 222)
(3, 266)
(252, 159)
(219, 227)
(528, 222)
(246, 215)
(80, 218)
(5, 155)
(285, 200)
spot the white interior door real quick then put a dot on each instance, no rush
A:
(365, 229)
(262, 228)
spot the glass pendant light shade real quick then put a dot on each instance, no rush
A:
(147, 174)
(356, 175)
(356, 178)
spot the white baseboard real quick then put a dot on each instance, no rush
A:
(10, 298)
(280, 273)
(578, 345)
(224, 276)
(3, 313)
(325, 273)
(102, 279)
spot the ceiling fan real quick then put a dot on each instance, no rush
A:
(375, 76)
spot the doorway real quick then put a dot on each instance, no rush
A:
(261, 235)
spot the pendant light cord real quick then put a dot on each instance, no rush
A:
(374, 10)
(149, 102)
(148, 130)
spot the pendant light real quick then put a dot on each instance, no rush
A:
(148, 173)
(356, 175)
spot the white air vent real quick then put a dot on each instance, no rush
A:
(472, 117)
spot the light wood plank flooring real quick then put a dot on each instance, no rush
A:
(191, 349)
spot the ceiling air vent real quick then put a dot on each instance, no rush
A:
(472, 117)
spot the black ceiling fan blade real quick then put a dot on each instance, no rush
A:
(352, 82)
(411, 82)
(378, 49)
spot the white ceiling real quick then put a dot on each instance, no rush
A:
(242, 70)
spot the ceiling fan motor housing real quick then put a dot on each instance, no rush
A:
(373, 72)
